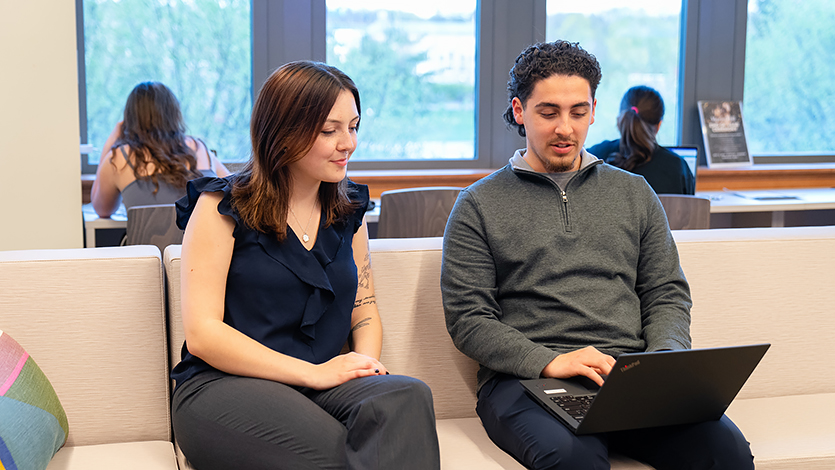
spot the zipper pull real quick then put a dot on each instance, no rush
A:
(564, 198)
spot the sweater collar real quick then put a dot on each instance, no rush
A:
(518, 162)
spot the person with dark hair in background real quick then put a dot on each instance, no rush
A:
(276, 279)
(641, 113)
(554, 265)
(147, 159)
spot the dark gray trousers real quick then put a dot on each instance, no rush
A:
(224, 421)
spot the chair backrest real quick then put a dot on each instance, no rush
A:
(685, 212)
(153, 225)
(415, 212)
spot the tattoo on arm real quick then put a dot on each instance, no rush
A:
(364, 322)
(364, 273)
(365, 301)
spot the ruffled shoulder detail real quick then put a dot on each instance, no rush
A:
(358, 194)
(209, 184)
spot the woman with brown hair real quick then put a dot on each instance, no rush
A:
(276, 279)
(637, 151)
(147, 159)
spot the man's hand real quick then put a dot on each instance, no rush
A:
(588, 362)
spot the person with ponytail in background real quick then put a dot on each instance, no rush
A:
(637, 151)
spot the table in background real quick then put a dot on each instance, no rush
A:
(728, 209)
(116, 223)
(773, 207)
(371, 218)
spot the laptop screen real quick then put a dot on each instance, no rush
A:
(689, 154)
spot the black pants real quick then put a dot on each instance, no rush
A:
(522, 428)
(223, 421)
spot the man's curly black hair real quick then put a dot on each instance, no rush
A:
(542, 60)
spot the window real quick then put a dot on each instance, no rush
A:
(215, 53)
(201, 49)
(636, 43)
(414, 64)
(789, 104)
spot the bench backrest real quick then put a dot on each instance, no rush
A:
(94, 321)
(748, 286)
(769, 285)
(407, 273)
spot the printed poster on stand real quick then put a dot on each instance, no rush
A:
(723, 132)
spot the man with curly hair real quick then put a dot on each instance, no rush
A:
(556, 264)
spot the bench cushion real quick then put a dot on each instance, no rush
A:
(788, 432)
(465, 444)
(148, 455)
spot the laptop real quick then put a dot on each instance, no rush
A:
(690, 155)
(651, 389)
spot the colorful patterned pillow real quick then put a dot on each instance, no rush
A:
(33, 425)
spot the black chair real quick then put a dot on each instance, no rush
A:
(153, 225)
(686, 212)
(415, 212)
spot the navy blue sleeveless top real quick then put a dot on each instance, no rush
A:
(292, 300)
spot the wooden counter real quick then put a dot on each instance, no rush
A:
(777, 176)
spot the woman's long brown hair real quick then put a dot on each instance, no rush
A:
(287, 117)
(154, 130)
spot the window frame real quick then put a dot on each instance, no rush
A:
(86, 167)
(494, 143)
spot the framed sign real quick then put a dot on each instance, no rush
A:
(723, 132)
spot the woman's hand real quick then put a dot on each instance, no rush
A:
(343, 368)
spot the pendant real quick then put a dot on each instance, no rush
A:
(305, 238)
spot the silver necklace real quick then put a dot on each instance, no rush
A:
(305, 237)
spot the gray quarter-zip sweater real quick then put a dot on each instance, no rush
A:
(531, 271)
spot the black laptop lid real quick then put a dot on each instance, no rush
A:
(665, 388)
(673, 387)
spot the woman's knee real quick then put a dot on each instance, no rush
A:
(264, 445)
(408, 390)
(274, 426)
(417, 389)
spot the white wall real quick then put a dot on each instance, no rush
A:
(39, 153)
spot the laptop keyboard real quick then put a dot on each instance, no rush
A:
(575, 406)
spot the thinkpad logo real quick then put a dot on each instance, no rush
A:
(630, 366)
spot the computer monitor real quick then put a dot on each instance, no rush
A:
(690, 155)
